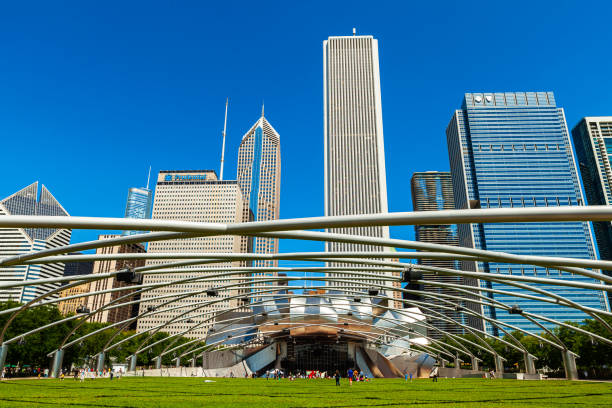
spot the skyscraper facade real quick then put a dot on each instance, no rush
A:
(433, 191)
(16, 241)
(513, 150)
(193, 195)
(96, 301)
(593, 140)
(259, 167)
(138, 206)
(355, 179)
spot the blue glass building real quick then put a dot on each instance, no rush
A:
(593, 140)
(138, 205)
(513, 150)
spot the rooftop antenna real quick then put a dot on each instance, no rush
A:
(354, 31)
(149, 177)
(262, 109)
(223, 146)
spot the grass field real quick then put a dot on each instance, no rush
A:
(251, 393)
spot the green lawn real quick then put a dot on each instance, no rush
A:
(251, 393)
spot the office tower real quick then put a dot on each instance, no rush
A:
(355, 180)
(513, 150)
(593, 140)
(259, 164)
(96, 301)
(193, 195)
(433, 191)
(138, 205)
(16, 241)
(78, 268)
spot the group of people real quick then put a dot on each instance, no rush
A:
(13, 372)
(356, 375)
(82, 374)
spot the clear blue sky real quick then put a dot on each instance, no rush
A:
(92, 93)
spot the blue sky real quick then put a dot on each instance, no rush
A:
(92, 93)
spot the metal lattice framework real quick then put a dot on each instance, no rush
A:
(256, 291)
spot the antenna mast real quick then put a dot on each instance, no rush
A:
(223, 147)
(149, 177)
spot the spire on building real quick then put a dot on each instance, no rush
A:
(149, 177)
(262, 109)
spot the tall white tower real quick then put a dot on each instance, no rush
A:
(355, 180)
(259, 167)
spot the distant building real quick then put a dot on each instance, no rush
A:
(193, 195)
(509, 150)
(138, 206)
(593, 140)
(69, 306)
(355, 179)
(94, 302)
(17, 241)
(433, 191)
(259, 176)
(78, 268)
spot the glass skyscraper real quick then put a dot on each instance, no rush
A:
(259, 167)
(513, 150)
(138, 205)
(593, 140)
(433, 191)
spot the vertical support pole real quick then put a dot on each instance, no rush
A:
(58, 359)
(277, 363)
(203, 361)
(133, 358)
(457, 362)
(569, 363)
(100, 366)
(474, 363)
(3, 352)
(158, 361)
(529, 363)
(499, 364)
(178, 362)
(193, 361)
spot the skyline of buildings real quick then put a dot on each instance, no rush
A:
(513, 149)
(354, 153)
(509, 149)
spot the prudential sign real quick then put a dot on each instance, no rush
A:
(185, 177)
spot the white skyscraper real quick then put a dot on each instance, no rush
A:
(17, 241)
(259, 166)
(355, 180)
(192, 195)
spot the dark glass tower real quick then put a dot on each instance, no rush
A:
(593, 140)
(513, 150)
(433, 191)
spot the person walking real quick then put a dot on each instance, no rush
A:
(337, 376)
(411, 376)
(350, 376)
(434, 374)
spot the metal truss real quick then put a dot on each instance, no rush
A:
(380, 269)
